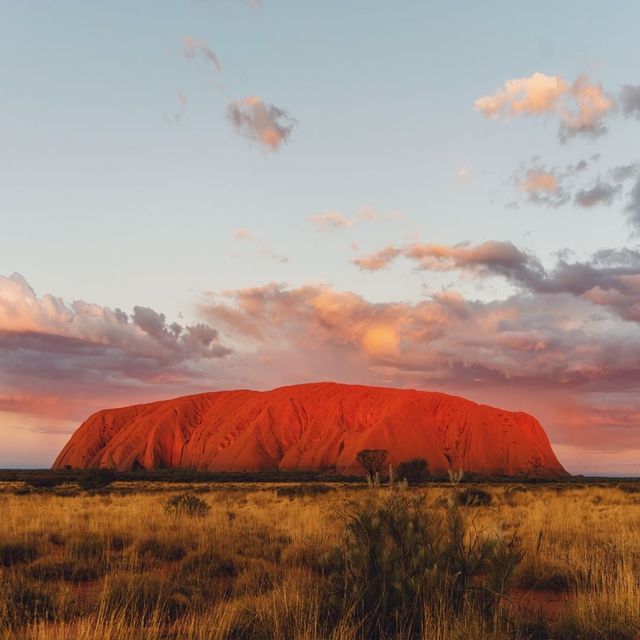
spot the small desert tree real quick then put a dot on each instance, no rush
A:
(414, 471)
(373, 460)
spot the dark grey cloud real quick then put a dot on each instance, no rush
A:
(609, 279)
(624, 172)
(630, 100)
(549, 186)
(633, 206)
(601, 193)
(54, 353)
(576, 183)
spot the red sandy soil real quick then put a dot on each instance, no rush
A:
(534, 605)
(312, 426)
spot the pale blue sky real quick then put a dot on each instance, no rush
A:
(103, 200)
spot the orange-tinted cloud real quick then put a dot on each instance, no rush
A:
(609, 279)
(445, 339)
(338, 220)
(56, 358)
(542, 349)
(540, 352)
(557, 186)
(242, 234)
(331, 220)
(492, 257)
(378, 260)
(536, 94)
(264, 123)
(580, 106)
(537, 180)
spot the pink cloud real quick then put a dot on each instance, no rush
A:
(537, 180)
(545, 349)
(266, 124)
(536, 94)
(331, 220)
(538, 353)
(337, 220)
(242, 234)
(609, 279)
(59, 358)
(378, 260)
(193, 47)
(492, 256)
(580, 106)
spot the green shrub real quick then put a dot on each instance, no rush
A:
(45, 481)
(118, 542)
(57, 539)
(142, 597)
(17, 553)
(399, 560)
(473, 497)
(301, 490)
(414, 471)
(187, 504)
(24, 601)
(210, 564)
(154, 549)
(630, 487)
(63, 570)
(390, 548)
(88, 546)
(93, 479)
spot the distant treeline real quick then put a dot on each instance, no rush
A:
(47, 477)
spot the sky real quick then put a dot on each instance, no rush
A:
(214, 194)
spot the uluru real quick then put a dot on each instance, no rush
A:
(315, 426)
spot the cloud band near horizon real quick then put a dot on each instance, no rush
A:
(564, 346)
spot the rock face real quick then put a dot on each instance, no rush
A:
(312, 426)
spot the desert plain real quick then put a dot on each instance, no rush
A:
(122, 558)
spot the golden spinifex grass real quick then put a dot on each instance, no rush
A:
(269, 562)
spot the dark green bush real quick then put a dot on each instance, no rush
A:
(93, 479)
(142, 596)
(630, 488)
(17, 553)
(44, 481)
(301, 490)
(187, 504)
(24, 601)
(57, 539)
(118, 542)
(88, 546)
(399, 559)
(63, 570)
(154, 549)
(473, 497)
(414, 471)
(210, 564)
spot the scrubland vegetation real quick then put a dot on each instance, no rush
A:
(318, 561)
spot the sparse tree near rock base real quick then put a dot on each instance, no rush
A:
(414, 471)
(373, 460)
